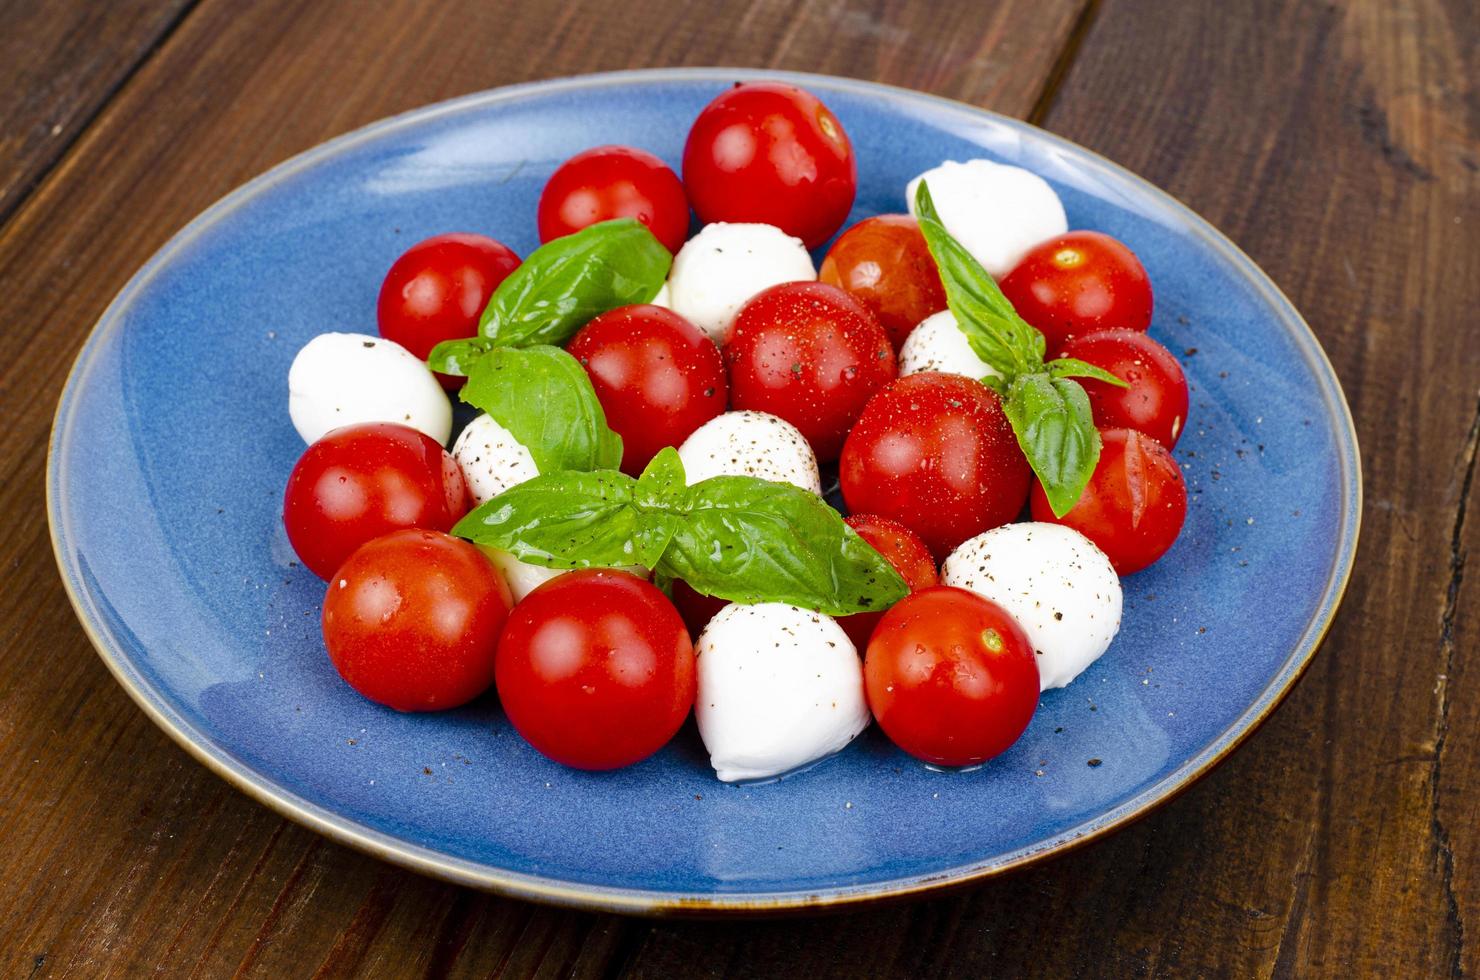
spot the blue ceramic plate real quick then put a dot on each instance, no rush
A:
(172, 445)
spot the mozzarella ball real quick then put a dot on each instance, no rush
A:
(491, 459)
(724, 265)
(1054, 582)
(750, 444)
(339, 379)
(996, 211)
(779, 687)
(938, 344)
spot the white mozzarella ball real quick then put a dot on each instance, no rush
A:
(996, 211)
(726, 264)
(1054, 582)
(938, 344)
(491, 459)
(523, 578)
(343, 378)
(779, 687)
(750, 444)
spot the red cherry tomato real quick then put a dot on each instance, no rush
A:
(412, 620)
(596, 670)
(696, 609)
(951, 677)
(1156, 401)
(905, 551)
(437, 290)
(1079, 282)
(810, 354)
(362, 481)
(658, 377)
(935, 452)
(1135, 502)
(608, 182)
(884, 263)
(771, 153)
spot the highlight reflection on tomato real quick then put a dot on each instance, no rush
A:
(595, 669)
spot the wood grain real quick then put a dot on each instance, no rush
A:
(124, 855)
(59, 63)
(1337, 143)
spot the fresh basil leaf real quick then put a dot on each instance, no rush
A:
(456, 357)
(566, 519)
(1051, 417)
(1073, 367)
(735, 537)
(996, 333)
(751, 540)
(566, 282)
(658, 497)
(662, 483)
(544, 398)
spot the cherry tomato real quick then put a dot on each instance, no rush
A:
(935, 452)
(658, 377)
(1079, 282)
(810, 354)
(884, 263)
(437, 290)
(608, 182)
(412, 620)
(1156, 401)
(905, 551)
(696, 609)
(596, 670)
(771, 153)
(951, 677)
(362, 481)
(1134, 504)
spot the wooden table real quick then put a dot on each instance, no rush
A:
(1337, 142)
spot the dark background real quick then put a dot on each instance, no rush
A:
(1335, 142)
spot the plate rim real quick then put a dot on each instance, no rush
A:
(549, 890)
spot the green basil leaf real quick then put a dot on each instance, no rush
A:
(1073, 367)
(544, 398)
(751, 540)
(566, 519)
(662, 483)
(566, 282)
(659, 497)
(996, 333)
(1051, 417)
(456, 357)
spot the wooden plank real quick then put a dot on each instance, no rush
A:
(1339, 144)
(60, 60)
(134, 856)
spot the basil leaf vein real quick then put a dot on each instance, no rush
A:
(996, 333)
(750, 540)
(544, 398)
(1052, 421)
(567, 519)
(566, 282)
(1073, 367)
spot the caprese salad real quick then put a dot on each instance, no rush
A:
(633, 527)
